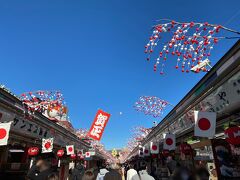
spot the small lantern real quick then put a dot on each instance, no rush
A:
(232, 135)
(165, 153)
(185, 148)
(73, 156)
(33, 151)
(154, 156)
(80, 155)
(60, 153)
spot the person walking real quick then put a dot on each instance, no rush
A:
(102, 173)
(142, 174)
(41, 170)
(89, 175)
(131, 172)
(113, 173)
(171, 164)
(78, 172)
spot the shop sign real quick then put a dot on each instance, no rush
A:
(31, 128)
(99, 124)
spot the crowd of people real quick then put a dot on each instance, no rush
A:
(42, 170)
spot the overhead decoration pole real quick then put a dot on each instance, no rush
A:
(191, 43)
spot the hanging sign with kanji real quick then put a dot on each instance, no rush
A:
(99, 124)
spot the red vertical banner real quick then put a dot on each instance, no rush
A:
(99, 124)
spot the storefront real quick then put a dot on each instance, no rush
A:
(218, 91)
(28, 131)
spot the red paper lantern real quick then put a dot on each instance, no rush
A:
(165, 153)
(154, 155)
(185, 148)
(73, 156)
(232, 135)
(60, 152)
(33, 151)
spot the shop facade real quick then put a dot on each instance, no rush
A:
(28, 131)
(218, 91)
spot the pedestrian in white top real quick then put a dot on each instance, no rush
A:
(102, 173)
(131, 172)
(142, 175)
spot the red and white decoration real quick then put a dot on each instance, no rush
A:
(4, 133)
(70, 149)
(146, 151)
(154, 148)
(99, 124)
(87, 155)
(232, 135)
(205, 124)
(73, 156)
(33, 151)
(169, 142)
(60, 153)
(190, 42)
(47, 145)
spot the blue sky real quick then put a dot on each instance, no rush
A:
(93, 52)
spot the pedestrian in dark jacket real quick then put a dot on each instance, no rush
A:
(78, 172)
(40, 171)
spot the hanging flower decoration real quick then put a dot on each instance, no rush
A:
(138, 134)
(151, 105)
(190, 42)
(51, 102)
(82, 133)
